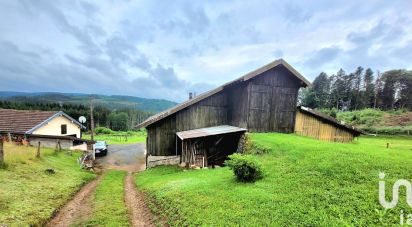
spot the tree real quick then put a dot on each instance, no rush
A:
(318, 95)
(368, 94)
(355, 80)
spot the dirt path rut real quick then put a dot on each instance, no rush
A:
(79, 208)
(140, 214)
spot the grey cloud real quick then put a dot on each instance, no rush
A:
(87, 43)
(323, 56)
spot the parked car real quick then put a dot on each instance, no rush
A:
(100, 148)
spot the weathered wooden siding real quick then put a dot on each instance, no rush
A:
(209, 112)
(272, 101)
(265, 103)
(238, 105)
(307, 125)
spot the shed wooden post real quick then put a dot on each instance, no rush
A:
(1, 152)
(38, 150)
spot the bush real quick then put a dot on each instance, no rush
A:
(245, 167)
(103, 130)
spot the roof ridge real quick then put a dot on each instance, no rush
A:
(211, 92)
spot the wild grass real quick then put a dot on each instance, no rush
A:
(307, 182)
(18, 154)
(393, 122)
(109, 208)
(29, 195)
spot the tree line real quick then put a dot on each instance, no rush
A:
(359, 90)
(119, 120)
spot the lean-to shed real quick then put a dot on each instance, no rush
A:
(320, 126)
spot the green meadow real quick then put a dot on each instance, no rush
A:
(307, 182)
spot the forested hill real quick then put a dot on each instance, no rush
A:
(112, 102)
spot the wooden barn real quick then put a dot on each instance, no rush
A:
(263, 100)
(320, 126)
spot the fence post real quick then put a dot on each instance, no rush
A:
(58, 146)
(1, 152)
(38, 151)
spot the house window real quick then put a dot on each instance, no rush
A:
(64, 129)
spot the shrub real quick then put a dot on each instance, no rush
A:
(103, 130)
(245, 167)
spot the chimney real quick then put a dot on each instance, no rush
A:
(190, 95)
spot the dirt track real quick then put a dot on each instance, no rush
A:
(121, 157)
(139, 213)
(79, 208)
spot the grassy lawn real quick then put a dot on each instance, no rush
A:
(135, 137)
(109, 208)
(28, 195)
(307, 182)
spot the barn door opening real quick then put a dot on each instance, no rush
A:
(259, 108)
(283, 109)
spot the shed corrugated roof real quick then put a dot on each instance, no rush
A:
(210, 131)
(205, 95)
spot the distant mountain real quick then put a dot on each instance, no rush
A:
(112, 101)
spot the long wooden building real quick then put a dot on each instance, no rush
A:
(263, 100)
(320, 126)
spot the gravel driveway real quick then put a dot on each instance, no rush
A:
(129, 157)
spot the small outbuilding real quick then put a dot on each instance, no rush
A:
(208, 146)
(320, 126)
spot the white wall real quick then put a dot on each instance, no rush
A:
(53, 127)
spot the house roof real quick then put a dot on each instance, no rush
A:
(329, 119)
(210, 131)
(27, 121)
(207, 94)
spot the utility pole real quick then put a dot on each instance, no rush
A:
(91, 119)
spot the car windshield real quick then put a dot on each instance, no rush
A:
(100, 143)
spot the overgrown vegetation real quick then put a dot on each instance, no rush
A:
(109, 208)
(307, 182)
(377, 121)
(245, 167)
(14, 154)
(29, 194)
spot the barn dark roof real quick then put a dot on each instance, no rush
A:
(329, 119)
(26, 121)
(205, 95)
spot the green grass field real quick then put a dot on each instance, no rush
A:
(307, 182)
(14, 154)
(120, 138)
(29, 195)
(109, 208)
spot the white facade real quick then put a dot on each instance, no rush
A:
(55, 127)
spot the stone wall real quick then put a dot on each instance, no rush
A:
(153, 161)
(49, 142)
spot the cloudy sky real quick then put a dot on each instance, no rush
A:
(164, 49)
